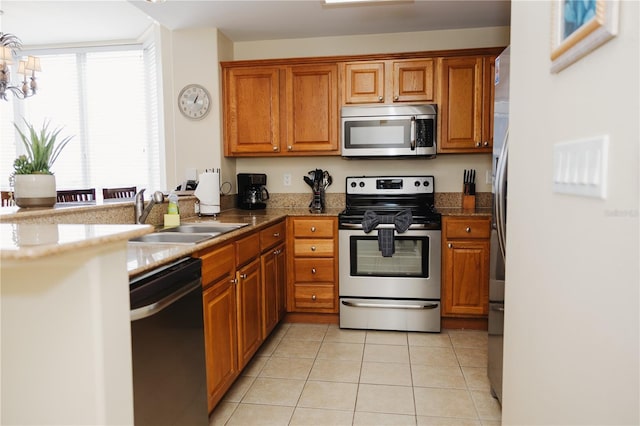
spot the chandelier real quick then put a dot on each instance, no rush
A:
(9, 45)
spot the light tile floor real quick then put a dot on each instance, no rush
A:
(309, 374)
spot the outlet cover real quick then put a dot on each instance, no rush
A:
(287, 179)
(580, 167)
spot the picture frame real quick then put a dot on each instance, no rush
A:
(579, 27)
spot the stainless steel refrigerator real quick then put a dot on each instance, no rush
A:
(498, 225)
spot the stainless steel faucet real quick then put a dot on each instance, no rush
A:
(141, 211)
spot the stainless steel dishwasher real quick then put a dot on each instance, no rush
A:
(167, 339)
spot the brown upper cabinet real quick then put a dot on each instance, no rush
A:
(466, 104)
(281, 110)
(387, 82)
(291, 107)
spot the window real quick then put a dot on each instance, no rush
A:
(107, 98)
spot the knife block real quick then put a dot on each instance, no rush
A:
(468, 202)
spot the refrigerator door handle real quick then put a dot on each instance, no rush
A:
(500, 195)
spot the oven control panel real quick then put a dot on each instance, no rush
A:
(380, 185)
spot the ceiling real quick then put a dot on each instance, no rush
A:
(85, 21)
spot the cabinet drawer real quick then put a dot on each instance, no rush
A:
(218, 263)
(313, 270)
(314, 296)
(272, 235)
(313, 248)
(467, 228)
(247, 248)
(313, 228)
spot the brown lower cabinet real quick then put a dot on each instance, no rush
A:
(465, 269)
(244, 285)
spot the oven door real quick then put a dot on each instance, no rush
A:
(413, 272)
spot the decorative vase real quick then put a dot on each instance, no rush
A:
(38, 190)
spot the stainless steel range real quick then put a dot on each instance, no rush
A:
(390, 276)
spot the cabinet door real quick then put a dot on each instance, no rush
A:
(461, 100)
(220, 338)
(488, 99)
(364, 82)
(272, 288)
(252, 110)
(281, 281)
(249, 311)
(466, 277)
(312, 108)
(413, 81)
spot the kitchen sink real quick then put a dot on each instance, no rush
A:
(199, 228)
(188, 233)
(172, 238)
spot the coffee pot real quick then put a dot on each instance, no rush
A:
(252, 192)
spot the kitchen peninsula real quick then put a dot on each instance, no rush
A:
(65, 323)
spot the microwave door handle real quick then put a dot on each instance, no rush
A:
(413, 133)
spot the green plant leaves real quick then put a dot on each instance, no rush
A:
(41, 147)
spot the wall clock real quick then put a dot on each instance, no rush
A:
(194, 101)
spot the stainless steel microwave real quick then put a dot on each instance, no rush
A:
(389, 131)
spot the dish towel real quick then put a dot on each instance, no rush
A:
(386, 242)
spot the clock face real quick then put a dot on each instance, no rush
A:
(194, 101)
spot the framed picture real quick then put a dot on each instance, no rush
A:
(578, 27)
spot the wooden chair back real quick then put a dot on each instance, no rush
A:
(127, 192)
(74, 195)
(7, 199)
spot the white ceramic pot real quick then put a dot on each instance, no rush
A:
(34, 190)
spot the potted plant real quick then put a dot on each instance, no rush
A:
(34, 183)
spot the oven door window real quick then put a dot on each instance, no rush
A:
(409, 260)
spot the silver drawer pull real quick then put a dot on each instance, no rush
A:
(468, 229)
(389, 305)
(243, 276)
(313, 248)
(313, 229)
(313, 297)
(276, 234)
(313, 270)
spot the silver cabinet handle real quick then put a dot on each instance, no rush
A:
(395, 98)
(468, 229)
(389, 305)
(276, 234)
(313, 248)
(313, 229)
(276, 252)
(275, 148)
(485, 143)
(380, 98)
(243, 276)
(233, 281)
(290, 148)
(313, 297)
(313, 271)
(478, 144)
(450, 245)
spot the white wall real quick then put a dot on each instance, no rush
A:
(572, 300)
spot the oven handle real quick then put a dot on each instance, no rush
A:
(389, 306)
(382, 226)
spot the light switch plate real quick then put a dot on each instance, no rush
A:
(580, 167)
(286, 179)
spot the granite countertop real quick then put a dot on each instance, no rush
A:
(27, 241)
(458, 211)
(145, 257)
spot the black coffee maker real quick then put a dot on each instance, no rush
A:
(252, 192)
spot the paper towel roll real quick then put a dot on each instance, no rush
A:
(208, 191)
